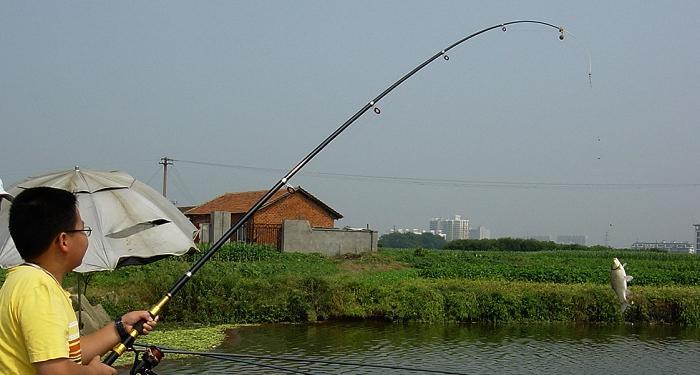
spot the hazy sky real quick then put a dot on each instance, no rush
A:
(118, 85)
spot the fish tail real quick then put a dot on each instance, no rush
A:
(624, 306)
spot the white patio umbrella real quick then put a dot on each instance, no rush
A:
(4, 194)
(131, 223)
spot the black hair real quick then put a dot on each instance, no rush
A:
(37, 216)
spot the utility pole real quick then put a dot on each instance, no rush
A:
(165, 161)
(606, 239)
(607, 244)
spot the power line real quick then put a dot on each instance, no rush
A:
(148, 182)
(182, 185)
(456, 182)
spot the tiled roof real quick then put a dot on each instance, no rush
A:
(242, 202)
(184, 209)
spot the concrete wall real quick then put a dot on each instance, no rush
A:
(219, 223)
(204, 235)
(298, 236)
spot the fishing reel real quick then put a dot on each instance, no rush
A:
(150, 358)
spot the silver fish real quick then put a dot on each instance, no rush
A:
(619, 280)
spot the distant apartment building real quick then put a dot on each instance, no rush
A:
(417, 231)
(697, 236)
(479, 233)
(404, 231)
(671, 247)
(438, 233)
(572, 239)
(454, 229)
(435, 225)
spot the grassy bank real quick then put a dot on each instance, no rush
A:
(257, 284)
(251, 285)
(191, 338)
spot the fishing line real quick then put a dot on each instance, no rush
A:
(156, 309)
(148, 369)
(587, 51)
(230, 356)
(293, 371)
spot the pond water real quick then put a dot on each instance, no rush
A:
(452, 348)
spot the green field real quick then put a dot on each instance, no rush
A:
(569, 267)
(249, 284)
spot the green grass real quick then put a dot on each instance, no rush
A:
(258, 284)
(648, 268)
(191, 338)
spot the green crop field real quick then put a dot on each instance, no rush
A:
(252, 284)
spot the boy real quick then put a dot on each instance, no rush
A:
(39, 331)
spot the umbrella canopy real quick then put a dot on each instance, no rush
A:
(131, 222)
(3, 193)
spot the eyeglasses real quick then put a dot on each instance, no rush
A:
(86, 229)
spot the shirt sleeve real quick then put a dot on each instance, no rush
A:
(44, 324)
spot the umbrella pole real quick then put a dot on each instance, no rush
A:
(122, 346)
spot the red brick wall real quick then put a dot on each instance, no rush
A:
(295, 207)
(198, 219)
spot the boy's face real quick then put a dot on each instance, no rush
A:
(79, 241)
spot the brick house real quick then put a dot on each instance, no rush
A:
(266, 224)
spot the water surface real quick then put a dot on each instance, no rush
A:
(458, 348)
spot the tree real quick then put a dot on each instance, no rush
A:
(509, 244)
(411, 241)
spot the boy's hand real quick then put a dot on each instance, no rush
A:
(131, 318)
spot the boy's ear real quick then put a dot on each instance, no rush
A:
(62, 241)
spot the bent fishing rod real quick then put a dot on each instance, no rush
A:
(156, 309)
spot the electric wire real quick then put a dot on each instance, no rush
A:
(148, 182)
(181, 184)
(457, 182)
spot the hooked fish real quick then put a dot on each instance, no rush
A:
(619, 280)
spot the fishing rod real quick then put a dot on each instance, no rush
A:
(239, 358)
(156, 309)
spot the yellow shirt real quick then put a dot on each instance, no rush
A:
(37, 321)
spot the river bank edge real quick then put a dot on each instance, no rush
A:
(256, 285)
(261, 285)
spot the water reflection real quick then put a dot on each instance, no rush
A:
(466, 349)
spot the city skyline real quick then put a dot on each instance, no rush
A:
(569, 238)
